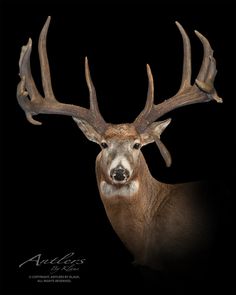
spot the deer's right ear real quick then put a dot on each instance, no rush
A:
(88, 130)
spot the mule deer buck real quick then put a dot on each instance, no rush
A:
(155, 221)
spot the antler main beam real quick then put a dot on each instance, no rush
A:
(201, 91)
(33, 103)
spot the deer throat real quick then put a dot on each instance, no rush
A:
(125, 190)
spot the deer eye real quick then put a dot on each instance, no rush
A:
(104, 145)
(137, 146)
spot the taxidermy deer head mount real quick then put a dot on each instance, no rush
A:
(143, 211)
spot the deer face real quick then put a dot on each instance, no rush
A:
(120, 152)
(121, 145)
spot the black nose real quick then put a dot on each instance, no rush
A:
(119, 174)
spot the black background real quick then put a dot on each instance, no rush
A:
(49, 198)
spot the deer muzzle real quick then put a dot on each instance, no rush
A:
(119, 174)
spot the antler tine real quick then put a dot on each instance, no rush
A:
(208, 52)
(187, 68)
(92, 91)
(149, 100)
(25, 69)
(27, 82)
(208, 71)
(150, 93)
(202, 91)
(44, 64)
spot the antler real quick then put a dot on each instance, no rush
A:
(33, 103)
(201, 91)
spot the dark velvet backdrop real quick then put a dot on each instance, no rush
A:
(49, 198)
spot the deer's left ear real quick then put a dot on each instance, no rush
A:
(154, 131)
(88, 130)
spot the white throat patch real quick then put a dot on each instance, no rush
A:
(126, 190)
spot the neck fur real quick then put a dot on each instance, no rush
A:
(129, 206)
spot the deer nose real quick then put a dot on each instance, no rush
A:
(119, 174)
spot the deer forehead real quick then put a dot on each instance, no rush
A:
(121, 132)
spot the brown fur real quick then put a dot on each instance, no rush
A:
(161, 223)
(121, 131)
